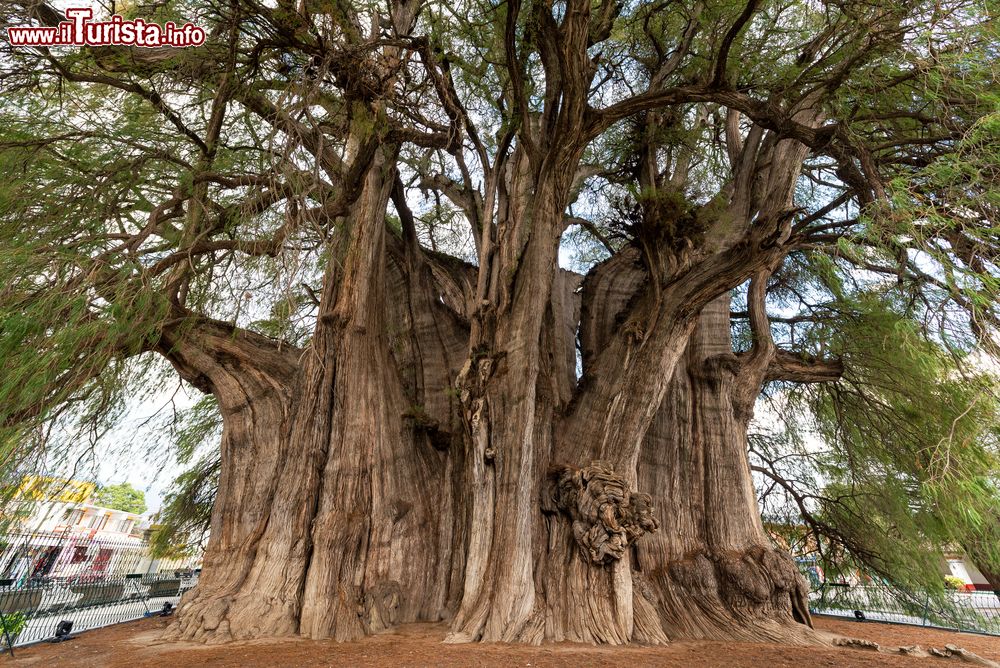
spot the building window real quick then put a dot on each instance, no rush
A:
(73, 516)
(79, 554)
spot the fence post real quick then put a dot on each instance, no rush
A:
(6, 634)
(135, 577)
(927, 605)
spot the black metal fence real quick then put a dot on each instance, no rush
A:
(971, 611)
(86, 579)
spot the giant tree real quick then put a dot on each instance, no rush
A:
(344, 222)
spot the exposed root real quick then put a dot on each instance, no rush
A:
(953, 652)
(481, 628)
(381, 606)
(216, 618)
(755, 595)
(946, 652)
(854, 643)
(199, 620)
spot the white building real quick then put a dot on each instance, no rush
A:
(57, 533)
(961, 567)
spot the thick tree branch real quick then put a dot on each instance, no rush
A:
(789, 366)
(719, 77)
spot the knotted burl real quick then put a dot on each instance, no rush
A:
(606, 515)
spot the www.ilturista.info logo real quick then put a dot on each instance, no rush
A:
(80, 30)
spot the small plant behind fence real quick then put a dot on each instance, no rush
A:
(46, 578)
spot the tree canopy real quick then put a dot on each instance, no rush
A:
(122, 496)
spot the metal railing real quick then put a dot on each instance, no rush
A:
(970, 611)
(31, 612)
(91, 579)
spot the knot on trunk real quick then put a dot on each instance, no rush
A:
(606, 515)
(380, 606)
(759, 573)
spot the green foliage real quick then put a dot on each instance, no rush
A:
(897, 461)
(67, 344)
(182, 523)
(14, 623)
(121, 497)
(196, 427)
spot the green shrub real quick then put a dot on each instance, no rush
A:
(15, 623)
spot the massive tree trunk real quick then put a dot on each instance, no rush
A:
(508, 411)
(711, 567)
(431, 454)
(708, 570)
(252, 379)
(387, 475)
(340, 494)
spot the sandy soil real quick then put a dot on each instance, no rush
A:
(137, 645)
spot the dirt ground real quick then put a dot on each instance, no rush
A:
(137, 645)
